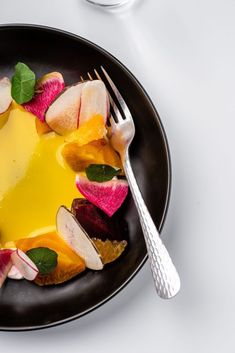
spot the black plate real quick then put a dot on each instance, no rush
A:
(23, 305)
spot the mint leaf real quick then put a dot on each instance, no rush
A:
(44, 258)
(101, 172)
(22, 84)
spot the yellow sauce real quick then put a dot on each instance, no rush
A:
(34, 180)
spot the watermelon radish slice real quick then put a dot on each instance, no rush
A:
(14, 273)
(24, 265)
(5, 264)
(47, 89)
(108, 196)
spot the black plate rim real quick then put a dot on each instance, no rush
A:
(15, 26)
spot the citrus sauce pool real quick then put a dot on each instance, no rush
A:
(34, 180)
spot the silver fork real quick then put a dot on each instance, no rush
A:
(166, 278)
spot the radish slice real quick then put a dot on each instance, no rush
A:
(62, 114)
(75, 236)
(108, 196)
(94, 101)
(14, 273)
(5, 264)
(5, 94)
(47, 88)
(23, 263)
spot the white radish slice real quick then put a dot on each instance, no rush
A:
(94, 101)
(62, 115)
(5, 94)
(14, 273)
(23, 263)
(75, 236)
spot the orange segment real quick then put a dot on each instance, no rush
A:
(98, 152)
(3, 118)
(93, 129)
(109, 250)
(42, 127)
(69, 263)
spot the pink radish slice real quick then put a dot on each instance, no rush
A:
(5, 94)
(48, 88)
(94, 101)
(14, 273)
(25, 266)
(5, 264)
(108, 196)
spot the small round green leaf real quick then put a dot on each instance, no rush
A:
(23, 84)
(101, 172)
(44, 258)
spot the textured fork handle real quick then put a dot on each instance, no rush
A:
(166, 278)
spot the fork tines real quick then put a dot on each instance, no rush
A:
(119, 109)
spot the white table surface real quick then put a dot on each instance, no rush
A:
(183, 53)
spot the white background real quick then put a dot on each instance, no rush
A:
(183, 52)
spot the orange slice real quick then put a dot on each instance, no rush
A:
(42, 127)
(92, 129)
(98, 152)
(109, 250)
(69, 263)
(3, 118)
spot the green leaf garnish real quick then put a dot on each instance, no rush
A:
(44, 258)
(101, 172)
(23, 84)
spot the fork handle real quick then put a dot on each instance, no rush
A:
(165, 275)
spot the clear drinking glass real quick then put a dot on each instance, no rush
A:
(109, 3)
